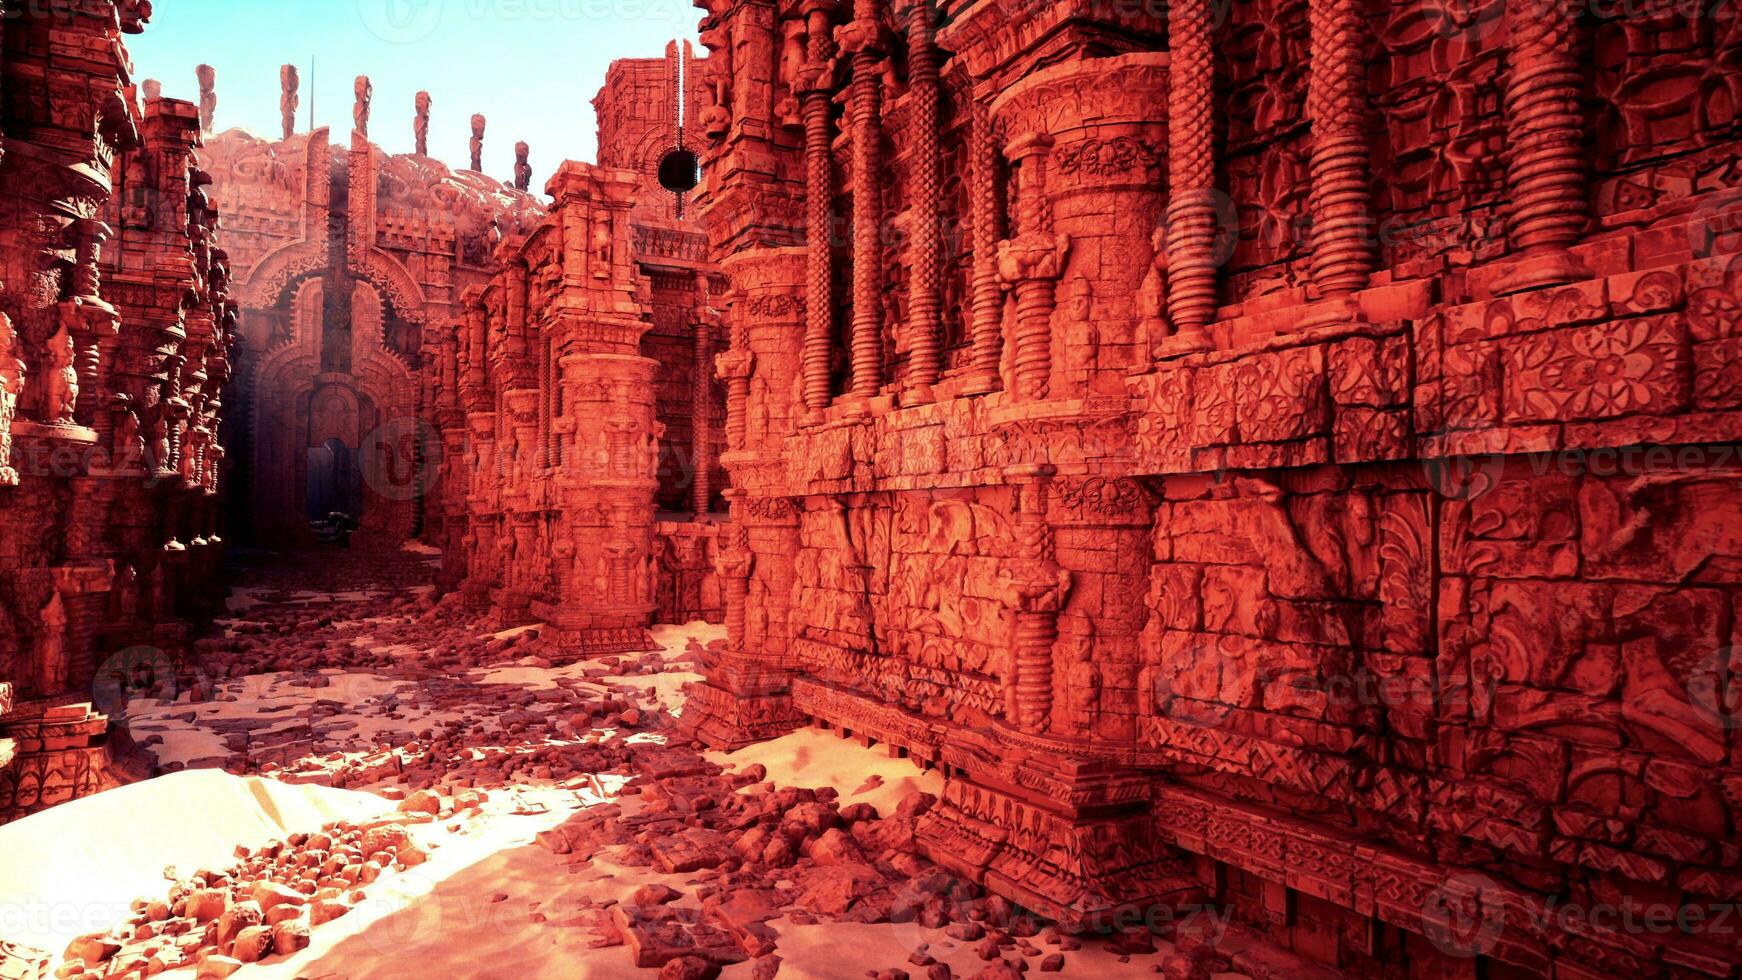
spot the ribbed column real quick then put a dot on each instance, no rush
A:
(987, 329)
(477, 378)
(862, 39)
(1340, 198)
(1544, 125)
(97, 321)
(1191, 209)
(701, 404)
(925, 183)
(819, 206)
(735, 366)
(733, 562)
(1039, 589)
(546, 402)
(1030, 264)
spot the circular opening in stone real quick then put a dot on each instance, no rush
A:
(680, 171)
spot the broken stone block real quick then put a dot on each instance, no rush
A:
(252, 944)
(690, 850)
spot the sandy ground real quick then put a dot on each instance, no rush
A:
(73, 869)
(491, 901)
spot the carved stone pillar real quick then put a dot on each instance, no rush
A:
(12, 379)
(735, 366)
(733, 563)
(819, 204)
(925, 189)
(603, 494)
(1340, 198)
(474, 382)
(1546, 171)
(1038, 589)
(747, 696)
(482, 566)
(1191, 209)
(987, 330)
(1030, 265)
(91, 320)
(863, 39)
(1094, 166)
(702, 403)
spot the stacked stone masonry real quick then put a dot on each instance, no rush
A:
(577, 404)
(405, 323)
(1286, 457)
(350, 264)
(116, 326)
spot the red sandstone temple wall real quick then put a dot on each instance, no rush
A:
(580, 396)
(1290, 463)
(350, 264)
(116, 326)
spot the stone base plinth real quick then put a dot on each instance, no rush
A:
(1085, 872)
(509, 609)
(1083, 851)
(570, 635)
(725, 720)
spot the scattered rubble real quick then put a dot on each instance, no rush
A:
(455, 721)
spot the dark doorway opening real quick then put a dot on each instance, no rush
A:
(335, 483)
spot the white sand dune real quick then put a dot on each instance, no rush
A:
(73, 869)
(813, 757)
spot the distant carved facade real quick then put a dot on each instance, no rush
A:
(577, 409)
(115, 334)
(347, 263)
(1213, 436)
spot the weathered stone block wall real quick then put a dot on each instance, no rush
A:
(116, 326)
(1331, 513)
(350, 264)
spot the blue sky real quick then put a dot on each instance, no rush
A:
(531, 66)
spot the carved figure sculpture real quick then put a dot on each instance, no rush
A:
(129, 444)
(365, 94)
(716, 116)
(478, 123)
(50, 648)
(208, 79)
(420, 124)
(522, 166)
(160, 460)
(1082, 685)
(289, 80)
(12, 373)
(602, 246)
(792, 61)
(1152, 292)
(60, 380)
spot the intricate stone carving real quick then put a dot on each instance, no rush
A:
(207, 77)
(364, 91)
(289, 81)
(420, 124)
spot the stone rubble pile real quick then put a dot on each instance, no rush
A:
(761, 852)
(216, 920)
(731, 858)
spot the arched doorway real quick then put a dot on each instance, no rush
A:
(335, 483)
